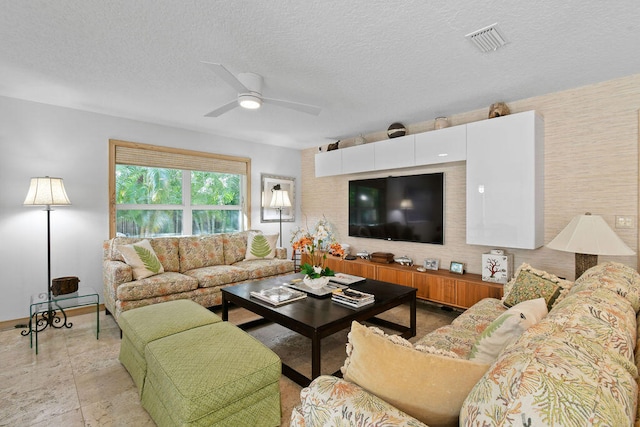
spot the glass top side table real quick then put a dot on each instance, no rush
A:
(47, 310)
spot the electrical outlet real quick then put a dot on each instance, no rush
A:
(625, 221)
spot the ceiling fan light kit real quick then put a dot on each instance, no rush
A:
(249, 88)
(249, 101)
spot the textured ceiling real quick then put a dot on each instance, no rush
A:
(367, 63)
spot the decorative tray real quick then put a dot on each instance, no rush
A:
(325, 291)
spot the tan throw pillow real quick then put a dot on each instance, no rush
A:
(429, 387)
(506, 329)
(530, 283)
(261, 246)
(142, 259)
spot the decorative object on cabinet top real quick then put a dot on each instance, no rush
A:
(333, 146)
(498, 109)
(497, 266)
(441, 123)
(395, 130)
(404, 260)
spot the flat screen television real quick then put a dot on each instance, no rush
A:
(404, 208)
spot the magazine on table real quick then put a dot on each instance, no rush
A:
(279, 295)
(346, 279)
(352, 297)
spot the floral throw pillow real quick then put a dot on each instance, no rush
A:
(530, 283)
(142, 259)
(261, 246)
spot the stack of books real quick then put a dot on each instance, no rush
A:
(352, 298)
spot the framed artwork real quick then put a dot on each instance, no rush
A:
(286, 183)
(456, 267)
(431, 264)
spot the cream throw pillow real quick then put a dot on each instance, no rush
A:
(142, 259)
(506, 329)
(261, 246)
(428, 387)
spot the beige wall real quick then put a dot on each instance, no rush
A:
(591, 165)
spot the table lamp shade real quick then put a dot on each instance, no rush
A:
(46, 191)
(280, 199)
(589, 234)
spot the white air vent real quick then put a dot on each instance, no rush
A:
(487, 39)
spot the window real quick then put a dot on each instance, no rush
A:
(158, 191)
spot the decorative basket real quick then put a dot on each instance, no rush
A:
(64, 285)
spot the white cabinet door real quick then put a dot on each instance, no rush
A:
(329, 163)
(505, 181)
(395, 153)
(441, 146)
(359, 158)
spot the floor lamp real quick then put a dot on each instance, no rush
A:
(47, 192)
(279, 200)
(589, 236)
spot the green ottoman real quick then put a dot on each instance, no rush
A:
(143, 325)
(214, 375)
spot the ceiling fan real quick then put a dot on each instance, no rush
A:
(249, 87)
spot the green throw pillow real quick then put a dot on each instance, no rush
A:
(529, 286)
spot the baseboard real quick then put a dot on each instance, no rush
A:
(21, 323)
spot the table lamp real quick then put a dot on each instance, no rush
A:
(589, 236)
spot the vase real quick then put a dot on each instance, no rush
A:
(318, 283)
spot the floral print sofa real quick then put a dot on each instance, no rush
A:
(195, 267)
(577, 366)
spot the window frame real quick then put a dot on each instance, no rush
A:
(158, 153)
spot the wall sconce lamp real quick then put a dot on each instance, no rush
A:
(589, 236)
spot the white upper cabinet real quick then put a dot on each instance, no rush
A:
(329, 163)
(394, 153)
(505, 181)
(359, 158)
(441, 146)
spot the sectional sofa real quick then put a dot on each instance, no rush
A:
(499, 366)
(139, 272)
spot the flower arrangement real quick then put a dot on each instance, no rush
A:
(316, 244)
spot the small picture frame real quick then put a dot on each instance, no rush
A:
(456, 267)
(431, 264)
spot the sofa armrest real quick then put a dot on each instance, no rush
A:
(281, 253)
(328, 399)
(114, 273)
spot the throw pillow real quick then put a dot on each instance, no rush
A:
(530, 283)
(429, 387)
(261, 246)
(506, 329)
(142, 259)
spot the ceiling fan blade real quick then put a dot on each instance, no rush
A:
(226, 75)
(221, 110)
(305, 108)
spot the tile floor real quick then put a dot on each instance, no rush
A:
(76, 380)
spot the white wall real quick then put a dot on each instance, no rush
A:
(38, 140)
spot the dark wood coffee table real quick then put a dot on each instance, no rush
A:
(317, 318)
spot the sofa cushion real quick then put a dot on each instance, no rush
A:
(507, 328)
(258, 268)
(142, 259)
(529, 283)
(461, 335)
(218, 275)
(614, 276)
(201, 251)
(261, 246)
(167, 283)
(235, 246)
(426, 386)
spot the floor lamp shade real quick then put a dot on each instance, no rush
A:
(280, 200)
(46, 191)
(589, 236)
